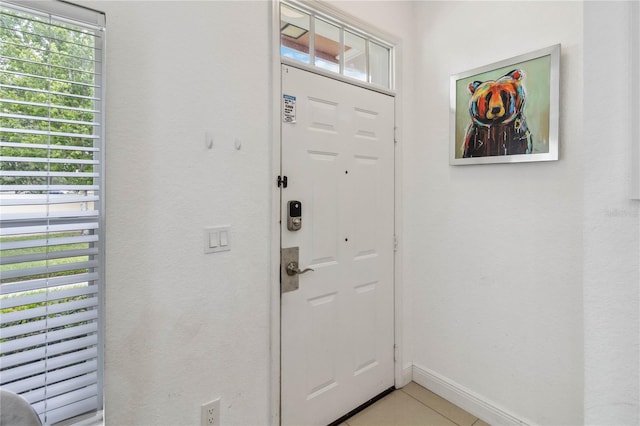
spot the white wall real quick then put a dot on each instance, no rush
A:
(611, 222)
(495, 257)
(494, 251)
(182, 327)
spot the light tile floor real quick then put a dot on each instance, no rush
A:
(413, 405)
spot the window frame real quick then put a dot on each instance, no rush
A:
(344, 27)
(94, 21)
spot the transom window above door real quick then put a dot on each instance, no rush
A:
(322, 42)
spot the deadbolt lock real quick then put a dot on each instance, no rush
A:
(294, 215)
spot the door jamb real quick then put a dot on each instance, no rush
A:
(403, 363)
(276, 194)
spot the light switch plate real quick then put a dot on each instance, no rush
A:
(217, 239)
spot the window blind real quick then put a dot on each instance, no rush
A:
(51, 199)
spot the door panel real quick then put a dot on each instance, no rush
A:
(323, 221)
(337, 328)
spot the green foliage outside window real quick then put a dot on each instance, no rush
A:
(48, 89)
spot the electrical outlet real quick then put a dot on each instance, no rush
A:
(211, 413)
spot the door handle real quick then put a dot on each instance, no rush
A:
(289, 269)
(293, 269)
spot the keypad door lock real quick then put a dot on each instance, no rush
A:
(294, 215)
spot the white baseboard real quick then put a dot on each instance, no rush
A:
(464, 398)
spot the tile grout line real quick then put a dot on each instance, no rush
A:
(433, 409)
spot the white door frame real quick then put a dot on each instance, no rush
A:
(403, 363)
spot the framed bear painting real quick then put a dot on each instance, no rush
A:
(507, 112)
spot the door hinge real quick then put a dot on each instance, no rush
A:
(282, 181)
(395, 243)
(395, 353)
(395, 134)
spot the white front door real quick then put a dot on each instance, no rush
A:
(337, 332)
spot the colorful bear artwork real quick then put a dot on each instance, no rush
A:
(498, 125)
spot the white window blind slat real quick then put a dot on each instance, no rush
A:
(46, 256)
(50, 256)
(34, 388)
(62, 401)
(54, 351)
(48, 119)
(22, 343)
(49, 147)
(71, 397)
(48, 92)
(40, 390)
(81, 316)
(79, 83)
(66, 280)
(48, 228)
(74, 363)
(53, 354)
(47, 133)
(85, 374)
(46, 25)
(49, 160)
(47, 351)
(77, 407)
(21, 244)
(49, 269)
(69, 58)
(39, 71)
(50, 199)
(29, 362)
(90, 19)
(38, 202)
(24, 296)
(13, 188)
(45, 77)
(34, 243)
(77, 304)
(30, 174)
(43, 229)
(43, 105)
(33, 216)
(81, 361)
(38, 355)
(59, 321)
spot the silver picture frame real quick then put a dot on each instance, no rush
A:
(635, 100)
(530, 133)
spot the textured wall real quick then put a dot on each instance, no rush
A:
(182, 327)
(611, 222)
(494, 251)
